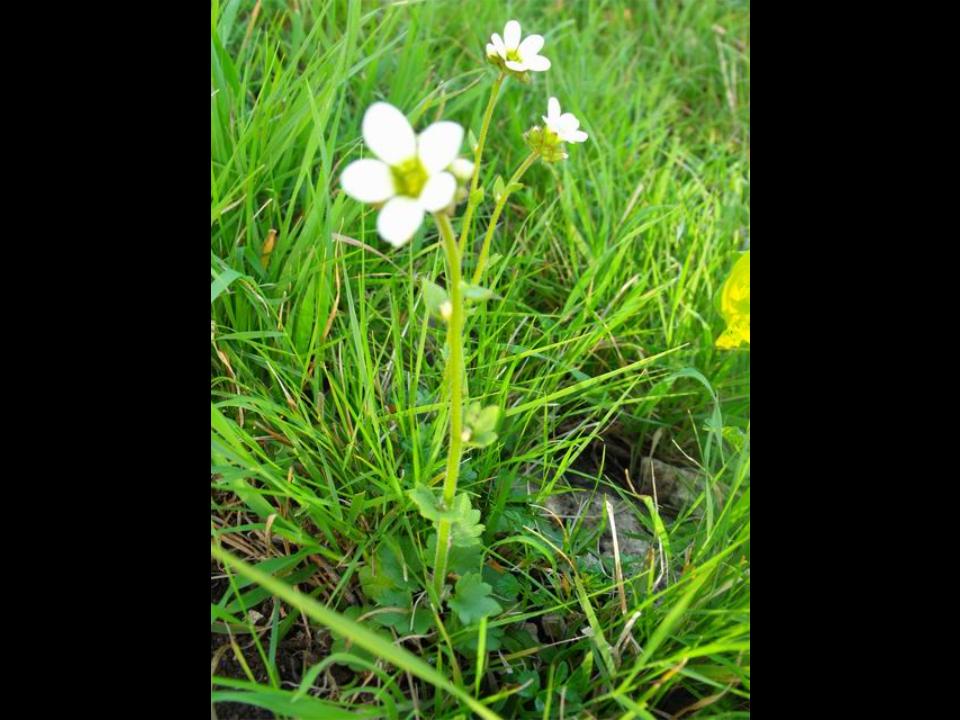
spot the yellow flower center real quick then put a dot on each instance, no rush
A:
(409, 177)
(514, 55)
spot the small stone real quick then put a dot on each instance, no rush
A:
(676, 487)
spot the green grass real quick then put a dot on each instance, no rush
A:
(327, 376)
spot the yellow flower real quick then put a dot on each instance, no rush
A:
(735, 305)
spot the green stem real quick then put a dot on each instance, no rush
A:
(455, 373)
(477, 156)
(501, 203)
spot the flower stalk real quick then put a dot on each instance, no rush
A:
(455, 373)
(473, 200)
(501, 203)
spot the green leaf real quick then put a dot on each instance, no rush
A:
(391, 559)
(470, 644)
(476, 197)
(482, 440)
(399, 621)
(472, 600)
(380, 589)
(467, 473)
(222, 282)
(533, 688)
(467, 528)
(468, 532)
(561, 673)
(475, 293)
(580, 678)
(430, 505)
(303, 324)
(411, 556)
(464, 520)
(422, 620)
(505, 585)
(383, 581)
(482, 420)
(465, 558)
(410, 621)
(462, 558)
(481, 424)
(519, 639)
(498, 188)
(434, 296)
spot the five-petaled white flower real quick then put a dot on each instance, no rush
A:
(515, 55)
(411, 175)
(563, 126)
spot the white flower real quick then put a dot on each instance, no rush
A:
(563, 126)
(515, 55)
(410, 177)
(462, 169)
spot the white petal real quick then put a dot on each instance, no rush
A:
(491, 50)
(553, 109)
(537, 63)
(439, 145)
(530, 46)
(498, 44)
(462, 169)
(368, 181)
(511, 35)
(399, 220)
(438, 192)
(568, 123)
(578, 136)
(518, 66)
(388, 134)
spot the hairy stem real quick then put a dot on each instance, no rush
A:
(477, 156)
(455, 373)
(501, 203)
